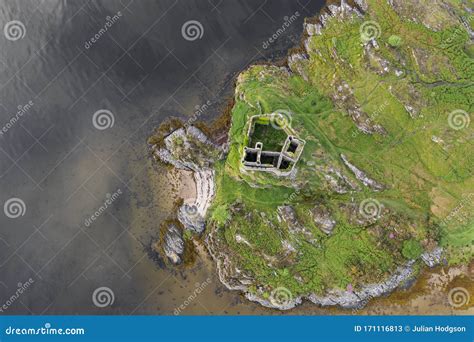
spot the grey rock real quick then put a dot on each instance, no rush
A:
(433, 258)
(174, 244)
(322, 218)
(296, 63)
(191, 219)
(361, 176)
(358, 299)
(312, 29)
(362, 4)
(189, 149)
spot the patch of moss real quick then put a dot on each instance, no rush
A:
(412, 249)
(395, 41)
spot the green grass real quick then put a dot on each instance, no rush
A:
(425, 180)
(272, 139)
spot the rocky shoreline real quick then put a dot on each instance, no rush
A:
(188, 148)
(193, 218)
(188, 142)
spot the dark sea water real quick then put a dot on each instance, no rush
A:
(60, 169)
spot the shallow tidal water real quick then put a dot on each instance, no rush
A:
(63, 68)
(63, 168)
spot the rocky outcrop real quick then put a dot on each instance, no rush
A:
(173, 244)
(230, 276)
(433, 258)
(275, 304)
(362, 4)
(341, 12)
(437, 16)
(312, 29)
(296, 62)
(192, 215)
(235, 279)
(361, 176)
(288, 214)
(344, 98)
(190, 149)
(359, 298)
(343, 298)
(322, 218)
(336, 180)
(190, 218)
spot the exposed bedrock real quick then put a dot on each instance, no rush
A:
(190, 149)
(174, 244)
